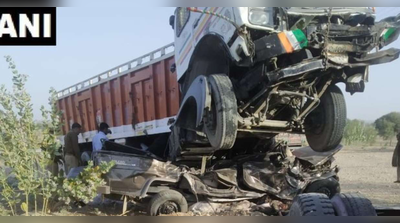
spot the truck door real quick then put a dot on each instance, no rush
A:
(183, 29)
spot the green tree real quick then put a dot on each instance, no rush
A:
(27, 148)
(388, 125)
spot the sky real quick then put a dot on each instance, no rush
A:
(91, 40)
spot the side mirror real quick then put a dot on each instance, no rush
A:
(172, 21)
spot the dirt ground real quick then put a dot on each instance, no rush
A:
(368, 171)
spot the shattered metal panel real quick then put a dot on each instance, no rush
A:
(132, 171)
(315, 158)
(249, 177)
(266, 177)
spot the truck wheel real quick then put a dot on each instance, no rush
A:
(329, 187)
(352, 205)
(325, 125)
(221, 121)
(174, 147)
(167, 202)
(311, 205)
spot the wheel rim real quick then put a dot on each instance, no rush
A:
(168, 207)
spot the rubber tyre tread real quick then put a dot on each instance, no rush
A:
(164, 196)
(334, 105)
(311, 204)
(357, 205)
(224, 136)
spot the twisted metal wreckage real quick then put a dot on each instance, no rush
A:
(334, 52)
(278, 175)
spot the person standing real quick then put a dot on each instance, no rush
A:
(71, 148)
(97, 145)
(396, 158)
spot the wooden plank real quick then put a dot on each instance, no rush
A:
(173, 91)
(140, 75)
(71, 111)
(84, 115)
(92, 110)
(77, 111)
(118, 99)
(149, 107)
(160, 90)
(127, 102)
(109, 108)
(138, 103)
(65, 127)
(100, 104)
(83, 95)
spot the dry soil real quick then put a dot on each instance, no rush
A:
(368, 171)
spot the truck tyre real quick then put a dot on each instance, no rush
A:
(174, 146)
(330, 187)
(167, 202)
(220, 123)
(352, 204)
(325, 125)
(311, 205)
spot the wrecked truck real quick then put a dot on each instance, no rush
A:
(273, 178)
(233, 79)
(249, 73)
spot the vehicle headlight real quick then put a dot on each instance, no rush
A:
(262, 16)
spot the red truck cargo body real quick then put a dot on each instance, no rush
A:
(135, 98)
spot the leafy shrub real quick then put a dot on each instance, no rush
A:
(357, 131)
(84, 187)
(27, 150)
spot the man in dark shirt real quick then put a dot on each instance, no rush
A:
(71, 148)
(396, 158)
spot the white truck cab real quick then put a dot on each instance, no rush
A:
(191, 26)
(255, 72)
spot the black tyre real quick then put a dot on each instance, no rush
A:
(330, 187)
(167, 202)
(221, 122)
(311, 205)
(353, 205)
(325, 125)
(174, 146)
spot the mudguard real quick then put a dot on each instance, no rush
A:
(199, 92)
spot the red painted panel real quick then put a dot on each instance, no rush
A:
(143, 95)
(160, 91)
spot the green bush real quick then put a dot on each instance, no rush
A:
(357, 131)
(388, 126)
(20, 147)
(84, 187)
(28, 148)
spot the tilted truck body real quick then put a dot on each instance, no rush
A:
(250, 73)
(238, 76)
(136, 98)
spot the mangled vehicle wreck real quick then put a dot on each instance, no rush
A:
(247, 74)
(273, 178)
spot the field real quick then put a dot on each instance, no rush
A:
(368, 170)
